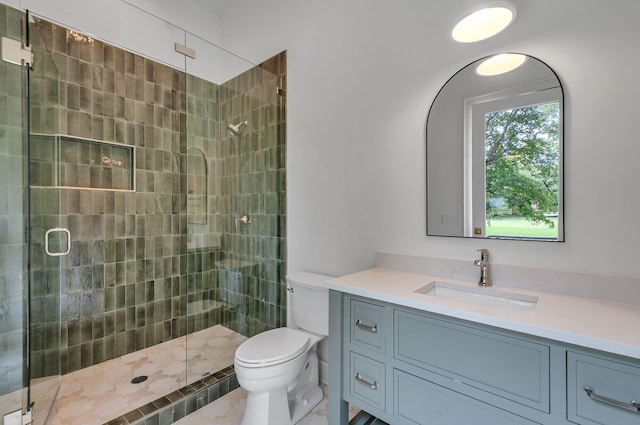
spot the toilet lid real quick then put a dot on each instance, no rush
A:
(274, 346)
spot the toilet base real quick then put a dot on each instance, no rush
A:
(267, 408)
(305, 393)
(304, 404)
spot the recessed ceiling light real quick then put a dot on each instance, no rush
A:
(482, 24)
(500, 64)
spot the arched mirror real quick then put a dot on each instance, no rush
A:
(495, 152)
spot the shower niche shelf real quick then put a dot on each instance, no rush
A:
(63, 161)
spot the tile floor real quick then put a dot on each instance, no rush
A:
(228, 410)
(95, 395)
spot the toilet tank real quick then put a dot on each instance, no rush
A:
(309, 302)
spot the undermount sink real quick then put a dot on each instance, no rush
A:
(480, 296)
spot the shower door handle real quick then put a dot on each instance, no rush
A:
(46, 241)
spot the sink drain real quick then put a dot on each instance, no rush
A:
(139, 379)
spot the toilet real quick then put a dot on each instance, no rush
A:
(279, 368)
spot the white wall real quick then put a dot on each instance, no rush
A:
(361, 77)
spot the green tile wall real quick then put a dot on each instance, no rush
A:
(246, 174)
(204, 250)
(253, 179)
(123, 286)
(134, 270)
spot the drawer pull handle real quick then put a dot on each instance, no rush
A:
(366, 383)
(372, 329)
(634, 406)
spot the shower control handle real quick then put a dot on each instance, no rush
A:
(245, 218)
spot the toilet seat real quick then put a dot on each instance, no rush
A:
(272, 347)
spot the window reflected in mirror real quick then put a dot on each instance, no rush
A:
(494, 155)
(521, 171)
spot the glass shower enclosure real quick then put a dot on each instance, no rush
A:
(139, 204)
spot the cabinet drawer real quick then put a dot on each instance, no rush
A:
(367, 381)
(367, 326)
(493, 367)
(417, 401)
(616, 381)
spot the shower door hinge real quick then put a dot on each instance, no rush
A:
(14, 52)
(27, 418)
(19, 418)
(280, 91)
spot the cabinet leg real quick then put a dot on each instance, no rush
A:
(338, 408)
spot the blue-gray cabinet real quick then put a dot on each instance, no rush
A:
(602, 391)
(418, 401)
(408, 367)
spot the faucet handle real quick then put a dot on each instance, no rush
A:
(484, 254)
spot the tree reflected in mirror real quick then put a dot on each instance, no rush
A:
(521, 160)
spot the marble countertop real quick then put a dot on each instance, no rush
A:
(600, 325)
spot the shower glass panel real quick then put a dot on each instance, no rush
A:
(49, 238)
(236, 256)
(12, 239)
(33, 239)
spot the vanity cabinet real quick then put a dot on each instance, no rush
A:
(419, 401)
(489, 366)
(601, 391)
(408, 366)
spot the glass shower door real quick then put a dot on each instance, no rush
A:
(29, 218)
(49, 240)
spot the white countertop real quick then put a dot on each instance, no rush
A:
(600, 325)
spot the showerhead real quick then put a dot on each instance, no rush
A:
(235, 129)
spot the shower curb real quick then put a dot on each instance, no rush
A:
(180, 403)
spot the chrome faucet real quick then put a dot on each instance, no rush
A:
(483, 263)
